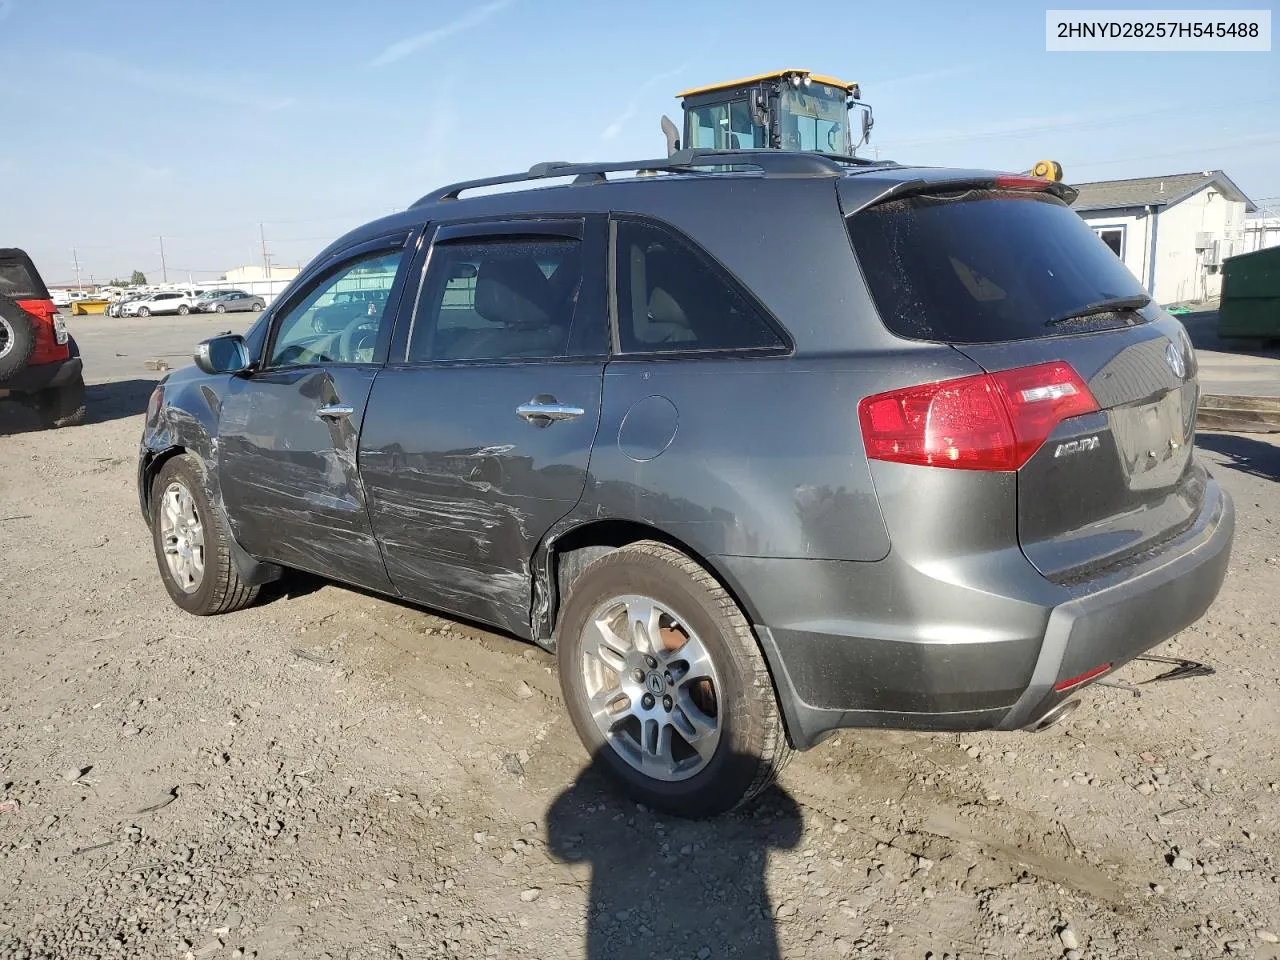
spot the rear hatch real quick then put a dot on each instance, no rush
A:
(1006, 273)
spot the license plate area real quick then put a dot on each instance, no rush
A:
(1152, 441)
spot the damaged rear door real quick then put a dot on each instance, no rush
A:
(288, 433)
(480, 428)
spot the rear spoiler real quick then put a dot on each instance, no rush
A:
(982, 181)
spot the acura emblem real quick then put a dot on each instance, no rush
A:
(1173, 357)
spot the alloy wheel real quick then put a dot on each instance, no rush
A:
(652, 687)
(182, 536)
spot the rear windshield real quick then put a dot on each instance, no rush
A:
(19, 281)
(983, 266)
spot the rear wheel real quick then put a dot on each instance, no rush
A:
(17, 338)
(144, 312)
(665, 684)
(193, 544)
(183, 309)
(61, 406)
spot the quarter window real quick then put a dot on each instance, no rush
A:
(505, 298)
(672, 297)
(339, 319)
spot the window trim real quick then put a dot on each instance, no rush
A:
(324, 270)
(785, 349)
(583, 227)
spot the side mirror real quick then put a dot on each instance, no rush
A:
(227, 353)
(465, 271)
(867, 123)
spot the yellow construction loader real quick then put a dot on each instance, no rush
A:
(785, 110)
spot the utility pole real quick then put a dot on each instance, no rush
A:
(266, 259)
(75, 259)
(164, 270)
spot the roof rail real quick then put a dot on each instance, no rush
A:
(770, 163)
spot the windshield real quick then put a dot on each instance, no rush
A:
(984, 266)
(815, 117)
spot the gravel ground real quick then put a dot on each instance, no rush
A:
(330, 774)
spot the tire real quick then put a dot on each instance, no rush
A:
(17, 338)
(183, 309)
(218, 589)
(751, 746)
(144, 312)
(61, 406)
(221, 308)
(257, 307)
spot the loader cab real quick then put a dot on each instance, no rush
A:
(787, 110)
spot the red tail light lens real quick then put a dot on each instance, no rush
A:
(44, 309)
(984, 422)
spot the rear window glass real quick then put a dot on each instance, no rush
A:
(983, 266)
(18, 281)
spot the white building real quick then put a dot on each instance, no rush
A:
(1261, 231)
(1171, 232)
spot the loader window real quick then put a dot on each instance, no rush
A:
(709, 127)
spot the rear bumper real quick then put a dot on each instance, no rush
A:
(889, 644)
(44, 376)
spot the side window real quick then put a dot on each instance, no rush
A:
(504, 298)
(671, 297)
(339, 318)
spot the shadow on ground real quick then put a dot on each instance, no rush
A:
(665, 887)
(103, 402)
(1247, 454)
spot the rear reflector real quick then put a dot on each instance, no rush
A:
(1085, 677)
(991, 421)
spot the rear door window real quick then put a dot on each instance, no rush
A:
(984, 266)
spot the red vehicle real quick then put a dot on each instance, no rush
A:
(39, 361)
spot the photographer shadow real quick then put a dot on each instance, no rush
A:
(666, 887)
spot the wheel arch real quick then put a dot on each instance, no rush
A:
(565, 552)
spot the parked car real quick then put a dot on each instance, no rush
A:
(159, 303)
(797, 445)
(40, 363)
(231, 301)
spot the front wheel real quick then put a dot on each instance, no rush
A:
(665, 684)
(144, 312)
(256, 307)
(221, 308)
(193, 544)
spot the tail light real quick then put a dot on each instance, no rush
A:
(155, 402)
(991, 421)
(41, 309)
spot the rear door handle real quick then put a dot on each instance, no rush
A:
(335, 411)
(537, 411)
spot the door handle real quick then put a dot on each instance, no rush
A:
(545, 412)
(335, 411)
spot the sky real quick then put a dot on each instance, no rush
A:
(215, 125)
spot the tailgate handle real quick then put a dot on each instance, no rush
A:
(335, 411)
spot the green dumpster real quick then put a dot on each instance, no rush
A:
(1251, 295)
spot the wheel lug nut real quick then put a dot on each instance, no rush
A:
(650, 662)
(647, 701)
(637, 675)
(666, 703)
(667, 675)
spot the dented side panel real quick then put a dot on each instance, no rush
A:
(289, 478)
(461, 488)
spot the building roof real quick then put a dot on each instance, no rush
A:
(1154, 191)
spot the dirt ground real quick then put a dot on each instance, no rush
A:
(334, 775)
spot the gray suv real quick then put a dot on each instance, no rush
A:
(761, 444)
